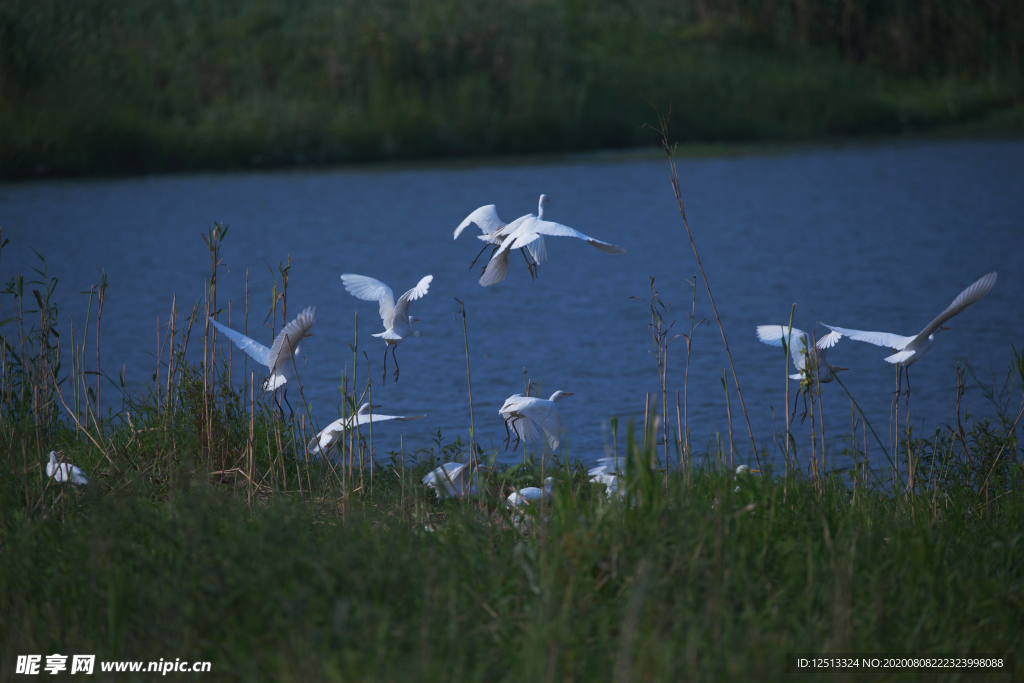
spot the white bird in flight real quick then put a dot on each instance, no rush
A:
(397, 321)
(530, 494)
(280, 357)
(801, 350)
(526, 414)
(453, 480)
(486, 218)
(527, 230)
(64, 472)
(323, 442)
(910, 349)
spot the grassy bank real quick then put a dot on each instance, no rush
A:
(207, 534)
(127, 87)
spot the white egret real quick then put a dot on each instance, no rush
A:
(280, 357)
(527, 413)
(610, 473)
(486, 218)
(453, 480)
(64, 472)
(801, 350)
(530, 494)
(397, 321)
(525, 231)
(910, 349)
(323, 442)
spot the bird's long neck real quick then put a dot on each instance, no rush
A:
(540, 208)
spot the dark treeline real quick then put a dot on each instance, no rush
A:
(129, 86)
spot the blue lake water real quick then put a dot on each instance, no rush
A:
(873, 237)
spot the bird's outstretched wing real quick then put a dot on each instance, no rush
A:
(258, 352)
(497, 268)
(401, 309)
(886, 339)
(289, 338)
(366, 418)
(545, 414)
(369, 289)
(486, 218)
(529, 231)
(967, 297)
(798, 342)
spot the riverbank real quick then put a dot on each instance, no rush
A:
(141, 87)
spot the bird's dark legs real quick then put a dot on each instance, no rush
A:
(278, 403)
(486, 244)
(906, 369)
(291, 412)
(384, 375)
(484, 269)
(394, 359)
(508, 434)
(531, 265)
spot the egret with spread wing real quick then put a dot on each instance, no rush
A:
(492, 227)
(808, 360)
(527, 230)
(910, 349)
(453, 480)
(280, 357)
(528, 414)
(397, 321)
(323, 442)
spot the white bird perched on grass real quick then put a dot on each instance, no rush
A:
(526, 414)
(910, 349)
(397, 321)
(453, 480)
(530, 494)
(610, 473)
(323, 442)
(280, 357)
(486, 218)
(801, 350)
(65, 472)
(525, 231)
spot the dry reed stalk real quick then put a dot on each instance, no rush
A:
(728, 414)
(674, 179)
(469, 382)
(785, 355)
(821, 408)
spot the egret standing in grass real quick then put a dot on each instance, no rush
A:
(280, 357)
(486, 218)
(323, 442)
(910, 349)
(397, 321)
(530, 494)
(526, 231)
(453, 480)
(65, 472)
(526, 414)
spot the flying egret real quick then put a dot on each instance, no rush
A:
(453, 480)
(525, 231)
(486, 218)
(800, 350)
(530, 494)
(64, 472)
(323, 442)
(397, 321)
(527, 413)
(280, 357)
(910, 349)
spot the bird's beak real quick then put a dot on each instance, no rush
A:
(375, 406)
(415, 320)
(755, 471)
(945, 328)
(568, 393)
(834, 369)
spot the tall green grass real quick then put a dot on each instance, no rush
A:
(135, 86)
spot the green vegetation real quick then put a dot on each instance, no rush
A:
(128, 86)
(206, 534)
